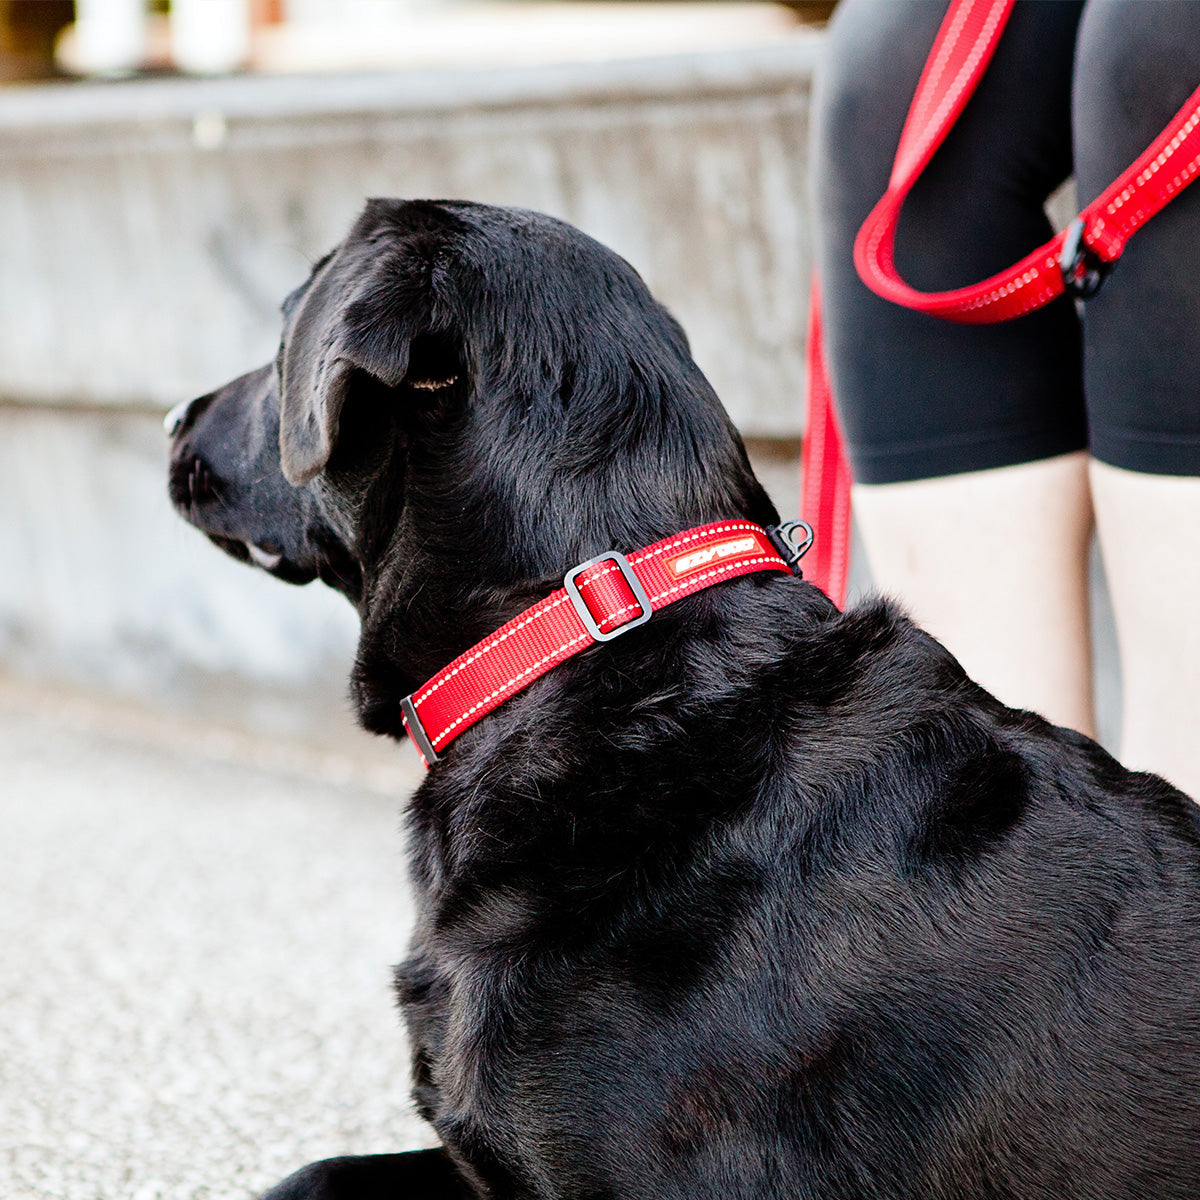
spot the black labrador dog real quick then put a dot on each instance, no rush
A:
(762, 899)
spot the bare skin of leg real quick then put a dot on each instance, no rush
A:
(1150, 535)
(994, 565)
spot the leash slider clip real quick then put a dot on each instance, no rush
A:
(1083, 270)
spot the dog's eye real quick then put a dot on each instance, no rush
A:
(431, 385)
(434, 362)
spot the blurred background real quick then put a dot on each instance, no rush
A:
(203, 888)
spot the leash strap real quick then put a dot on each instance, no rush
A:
(599, 600)
(1076, 260)
(824, 468)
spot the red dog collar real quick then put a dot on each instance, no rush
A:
(600, 599)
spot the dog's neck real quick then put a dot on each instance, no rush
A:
(414, 627)
(484, 537)
(619, 757)
(606, 597)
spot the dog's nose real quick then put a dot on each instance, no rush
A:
(175, 418)
(183, 416)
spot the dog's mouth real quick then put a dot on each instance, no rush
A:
(311, 552)
(186, 490)
(334, 566)
(266, 556)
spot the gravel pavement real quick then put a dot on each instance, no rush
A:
(196, 935)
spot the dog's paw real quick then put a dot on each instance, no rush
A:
(318, 1181)
(419, 1175)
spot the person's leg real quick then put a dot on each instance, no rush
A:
(990, 555)
(1150, 536)
(994, 565)
(1138, 61)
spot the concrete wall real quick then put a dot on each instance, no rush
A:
(148, 231)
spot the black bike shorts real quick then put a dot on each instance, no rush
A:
(1072, 86)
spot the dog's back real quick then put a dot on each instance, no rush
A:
(813, 916)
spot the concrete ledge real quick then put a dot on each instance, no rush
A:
(150, 229)
(49, 111)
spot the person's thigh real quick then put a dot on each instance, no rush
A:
(917, 396)
(994, 565)
(1148, 527)
(1137, 62)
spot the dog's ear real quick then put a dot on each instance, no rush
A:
(335, 334)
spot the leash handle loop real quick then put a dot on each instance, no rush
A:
(1076, 261)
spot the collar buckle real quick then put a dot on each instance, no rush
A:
(585, 614)
(416, 731)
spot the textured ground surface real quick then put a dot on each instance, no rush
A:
(195, 944)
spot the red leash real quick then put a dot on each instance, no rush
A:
(1076, 260)
(599, 600)
(824, 469)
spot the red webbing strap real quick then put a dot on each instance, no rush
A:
(824, 471)
(552, 630)
(961, 52)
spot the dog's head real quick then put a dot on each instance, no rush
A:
(466, 402)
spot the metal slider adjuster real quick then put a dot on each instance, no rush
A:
(1083, 270)
(417, 731)
(635, 586)
(792, 539)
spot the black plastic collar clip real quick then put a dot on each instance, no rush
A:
(417, 731)
(792, 539)
(1083, 270)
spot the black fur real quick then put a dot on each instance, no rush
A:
(762, 899)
